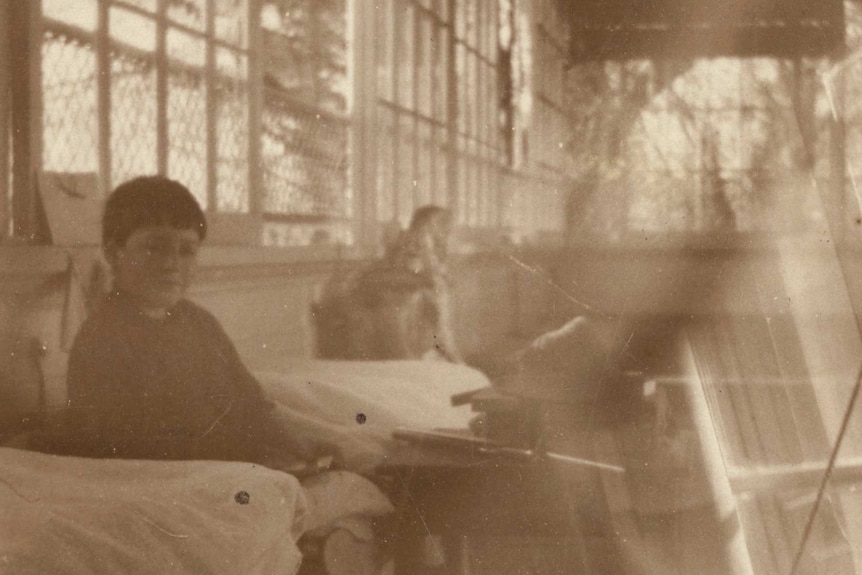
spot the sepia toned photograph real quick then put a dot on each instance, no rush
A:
(430, 287)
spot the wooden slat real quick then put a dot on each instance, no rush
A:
(774, 526)
(757, 539)
(793, 476)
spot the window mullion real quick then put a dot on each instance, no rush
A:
(103, 93)
(396, 32)
(162, 142)
(5, 115)
(210, 87)
(25, 42)
(452, 118)
(254, 173)
(416, 144)
(434, 44)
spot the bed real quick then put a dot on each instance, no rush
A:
(68, 515)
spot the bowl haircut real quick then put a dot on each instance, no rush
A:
(149, 201)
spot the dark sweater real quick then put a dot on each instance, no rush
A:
(162, 389)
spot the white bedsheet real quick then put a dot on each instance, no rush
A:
(76, 516)
(71, 516)
(389, 393)
(384, 395)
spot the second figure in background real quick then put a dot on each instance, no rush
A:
(397, 307)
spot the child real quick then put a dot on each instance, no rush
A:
(154, 376)
(397, 308)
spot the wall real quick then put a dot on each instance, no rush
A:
(262, 297)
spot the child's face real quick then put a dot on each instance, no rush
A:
(155, 267)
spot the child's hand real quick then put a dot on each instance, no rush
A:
(358, 454)
(282, 459)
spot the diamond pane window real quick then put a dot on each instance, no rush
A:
(186, 49)
(133, 30)
(304, 153)
(190, 13)
(69, 112)
(231, 132)
(231, 22)
(187, 131)
(176, 91)
(133, 117)
(145, 5)
(81, 14)
(186, 112)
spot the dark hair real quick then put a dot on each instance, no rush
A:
(426, 214)
(150, 201)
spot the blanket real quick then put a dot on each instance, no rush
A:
(359, 403)
(75, 516)
(71, 516)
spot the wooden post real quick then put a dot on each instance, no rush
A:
(452, 116)
(162, 142)
(736, 558)
(103, 96)
(254, 175)
(210, 87)
(835, 199)
(5, 114)
(363, 140)
(25, 41)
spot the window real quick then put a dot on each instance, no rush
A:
(305, 132)
(412, 56)
(454, 89)
(145, 86)
(199, 91)
(254, 111)
(720, 145)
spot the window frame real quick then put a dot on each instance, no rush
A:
(475, 186)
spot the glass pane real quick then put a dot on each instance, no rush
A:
(441, 7)
(406, 176)
(441, 164)
(461, 184)
(280, 234)
(481, 14)
(69, 104)
(471, 95)
(424, 173)
(385, 188)
(461, 87)
(485, 101)
(132, 30)
(187, 130)
(190, 13)
(492, 111)
(186, 49)
(231, 22)
(231, 130)
(470, 13)
(405, 55)
(147, 5)
(133, 116)
(472, 184)
(491, 34)
(82, 13)
(441, 75)
(305, 159)
(231, 64)
(383, 49)
(425, 58)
